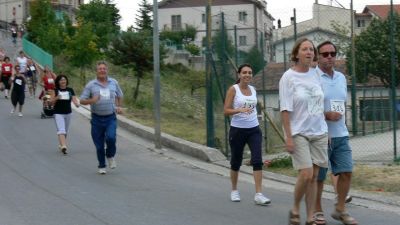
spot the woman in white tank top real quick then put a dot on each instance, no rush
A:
(240, 103)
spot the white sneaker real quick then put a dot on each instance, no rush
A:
(12, 111)
(260, 199)
(20, 114)
(102, 171)
(111, 163)
(235, 196)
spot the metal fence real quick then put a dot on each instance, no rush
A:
(373, 107)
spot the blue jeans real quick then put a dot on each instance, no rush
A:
(104, 130)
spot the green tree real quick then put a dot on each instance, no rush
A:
(223, 44)
(144, 20)
(104, 19)
(81, 48)
(373, 52)
(133, 50)
(44, 29)
(256, 58)
(184, 37)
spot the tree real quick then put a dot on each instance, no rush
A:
(256, 58)
(104, 19)
(373, 52)
(44, 29)
(81, 48)
(223, 44)
(185, 37)
(144, 20)
(133, 50)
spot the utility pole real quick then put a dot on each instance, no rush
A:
(209, 103)
(294, 25)
(156, 68)
(353, 75)
(393, 63)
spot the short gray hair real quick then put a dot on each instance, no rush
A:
(101, 62)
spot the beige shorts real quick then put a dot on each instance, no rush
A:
(310, 150)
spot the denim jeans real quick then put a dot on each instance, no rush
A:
(104, 130)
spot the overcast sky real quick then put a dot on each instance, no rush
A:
(279, 9)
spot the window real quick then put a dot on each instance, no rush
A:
(176, 23)
(242, 40)
(360, 23)
(242, 16)
(203, 18)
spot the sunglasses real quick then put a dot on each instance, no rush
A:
(326, 54)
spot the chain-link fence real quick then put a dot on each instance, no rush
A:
(373, 106)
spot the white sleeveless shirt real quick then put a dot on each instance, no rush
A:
(249, 119)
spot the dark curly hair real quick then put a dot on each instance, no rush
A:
(58, 78)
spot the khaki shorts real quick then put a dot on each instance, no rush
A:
(310, 150)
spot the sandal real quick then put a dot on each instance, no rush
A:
(344, 217)
(319, 218)
(294, 219)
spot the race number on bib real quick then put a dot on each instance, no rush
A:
(64, 95)
(338, 106)
(18, 81)
(105, 93)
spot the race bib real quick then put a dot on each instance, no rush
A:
(105, 93)
(32, 68)
(7, 68)
(50, 81)
(18, 81)
(64, 95)
(338, 106)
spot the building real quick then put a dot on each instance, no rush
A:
(323, 26)
(363, 19)
(16, 12)
(248, 19)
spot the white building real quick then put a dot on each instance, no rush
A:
(318, 29)
(250, 17)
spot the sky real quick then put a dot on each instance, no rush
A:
(279, 9)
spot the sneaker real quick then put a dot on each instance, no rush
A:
(20, 114)
(63, 149)
(12, 111)
(111, 163)
(102, 171)
(260, 199)
(235, 196)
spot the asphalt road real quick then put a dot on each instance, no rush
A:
(40, 186)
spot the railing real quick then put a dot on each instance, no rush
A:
(37, 54)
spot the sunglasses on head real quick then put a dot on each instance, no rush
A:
(326, 54)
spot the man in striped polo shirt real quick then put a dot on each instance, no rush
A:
(105, 98)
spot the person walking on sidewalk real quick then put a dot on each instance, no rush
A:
(105, 98)
(62, 109)
(334, 87)
(18, 91)
(31, 77)
(302, 110)
(240, 103)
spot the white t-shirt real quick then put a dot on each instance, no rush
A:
(301, 95)
(22, 62)
(245, 120)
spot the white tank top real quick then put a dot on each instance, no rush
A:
(245, 120)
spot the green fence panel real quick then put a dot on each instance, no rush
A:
(37, 54)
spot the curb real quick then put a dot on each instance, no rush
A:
(198, 151)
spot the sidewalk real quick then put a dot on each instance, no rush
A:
(212, 160)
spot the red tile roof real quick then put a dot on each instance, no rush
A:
(382, 11)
